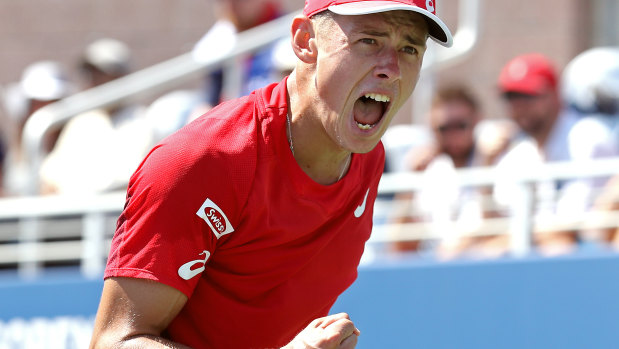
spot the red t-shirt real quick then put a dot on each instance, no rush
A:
(222, 212)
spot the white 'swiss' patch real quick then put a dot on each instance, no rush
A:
(215, 218)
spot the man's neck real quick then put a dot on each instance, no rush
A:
(318, 156)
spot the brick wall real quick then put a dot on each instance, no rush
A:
(32, 30)
(156, 30)
(559, 29)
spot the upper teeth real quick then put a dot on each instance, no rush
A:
(377, 97)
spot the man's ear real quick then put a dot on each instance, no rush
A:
(304, 39)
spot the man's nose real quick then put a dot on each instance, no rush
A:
(388, 66)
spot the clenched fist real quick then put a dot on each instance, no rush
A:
(330, 332)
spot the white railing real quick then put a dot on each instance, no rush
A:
(33, 231)
(520, 224)
(51, 229)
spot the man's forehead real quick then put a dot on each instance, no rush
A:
(407, 21)
(404, 17)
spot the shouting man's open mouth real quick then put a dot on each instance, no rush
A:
(370, 109)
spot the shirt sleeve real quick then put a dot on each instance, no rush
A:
(183, 201)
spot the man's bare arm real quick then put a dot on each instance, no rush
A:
(134, 312)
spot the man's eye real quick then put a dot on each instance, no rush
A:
(368, 41)
(410, 50)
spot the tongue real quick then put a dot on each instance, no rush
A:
(368, 111)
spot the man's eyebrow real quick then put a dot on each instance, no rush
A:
(415, 40)
(411, 39)
(374, 32)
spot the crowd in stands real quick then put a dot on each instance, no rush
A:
(550, 116)
(98, 150)
(453, 120)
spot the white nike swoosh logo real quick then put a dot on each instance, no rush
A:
(185, 270)
(361, 208)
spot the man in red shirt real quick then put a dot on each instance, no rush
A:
(243, 228)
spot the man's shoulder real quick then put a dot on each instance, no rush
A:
(272, 97)
(224, 143)
(225, 135)
(260, 101)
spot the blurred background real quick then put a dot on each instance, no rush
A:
(497, 222)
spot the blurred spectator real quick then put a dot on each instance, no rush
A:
(172, 111)
(238, 76)
(105, 60)
(42, 83)
(608, 203)
(99, 150)
(591, 87)
(590, 81)
(245, 73)
(530, 87)
(453, 118)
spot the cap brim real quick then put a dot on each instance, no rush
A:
(529, 87)
(437, 29)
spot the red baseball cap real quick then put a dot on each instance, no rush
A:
(530, 74)
(438, 30)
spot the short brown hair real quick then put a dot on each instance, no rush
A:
(456, 92)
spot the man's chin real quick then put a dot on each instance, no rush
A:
(365, 148)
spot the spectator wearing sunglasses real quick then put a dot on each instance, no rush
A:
(454, 120)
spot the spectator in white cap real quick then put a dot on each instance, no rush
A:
(590, 81)
(98, 149)
(591, 87)
(42, 83)
(105, 60)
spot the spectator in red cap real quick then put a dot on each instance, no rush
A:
(530, 87)
(242, 229)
